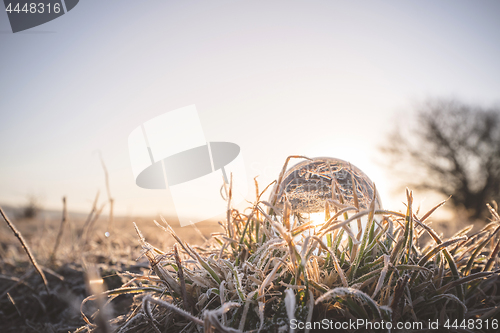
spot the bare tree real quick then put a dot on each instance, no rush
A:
(451, 148)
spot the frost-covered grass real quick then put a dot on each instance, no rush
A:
(269, 267)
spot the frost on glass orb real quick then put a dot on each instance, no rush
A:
(308, 185)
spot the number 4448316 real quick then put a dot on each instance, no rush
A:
(34, 8)
(472, 324)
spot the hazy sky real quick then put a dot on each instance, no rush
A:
(318, 78)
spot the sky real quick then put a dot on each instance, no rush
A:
(278, 78)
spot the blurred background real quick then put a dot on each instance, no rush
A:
(381, 84)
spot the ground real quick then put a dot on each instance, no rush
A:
(25, 305)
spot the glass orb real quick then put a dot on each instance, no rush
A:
(309, 184)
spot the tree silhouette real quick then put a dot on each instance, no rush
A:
(452, 148)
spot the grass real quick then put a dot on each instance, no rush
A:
(269, 267)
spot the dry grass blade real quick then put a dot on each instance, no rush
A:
(449, 258)
(409, 225)
(274, 196)
(493, 313)
(170, 306)
(493, 212)
(268, 279)
(118, 291)
(438, 248)
(356, 204)
(90, 216)
(381, 279)
(478, 250)
(338, 269)
(230, 226)
(160, 271)
(210, 317)
(146, 308)
(398, 293)
(172, 232)
(26, 249)
(397, 250)
(87, 229)
(108, 191)
(449, 297)
(15, 305)
(345, 226)
(493, 256)
(351, 292)
(61, 230)
(364, 242)
(426, 216)
(469, 278)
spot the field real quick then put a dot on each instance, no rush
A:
(34, 311)
(264, 269)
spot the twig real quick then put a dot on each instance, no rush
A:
(91, 224)
(108, 191)
(89, 218)
(26, 249)
(61, 230)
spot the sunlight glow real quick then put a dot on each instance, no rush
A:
(96, 282)
(318, 218)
